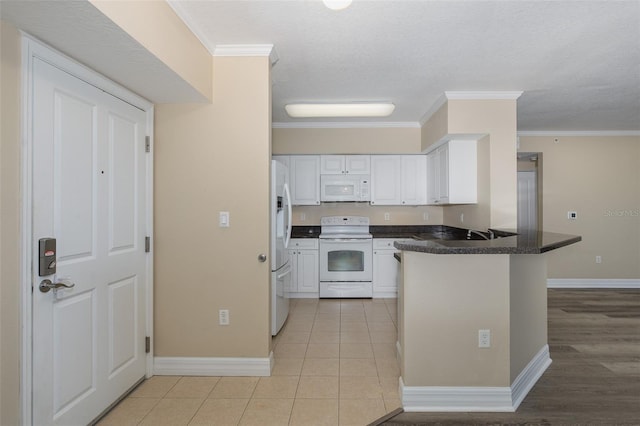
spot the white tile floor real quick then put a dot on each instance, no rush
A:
(335, 364)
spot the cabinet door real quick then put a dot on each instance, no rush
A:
(284, 159)
(433, 178)
(358, 164)
(308, 277)
(414, 180)
(293, 262)
(385, 272)
(332, 164)
(443, 174)
(386, 180)
(305, 179)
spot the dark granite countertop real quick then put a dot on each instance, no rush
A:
(442, 239)
(305, 231)
(523, 243)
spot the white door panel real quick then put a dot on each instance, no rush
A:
(89, 192)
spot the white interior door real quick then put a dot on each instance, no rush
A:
(89, 183)
(527, 200)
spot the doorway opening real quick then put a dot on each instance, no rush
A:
(529, 191)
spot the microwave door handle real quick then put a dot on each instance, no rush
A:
(287, 194)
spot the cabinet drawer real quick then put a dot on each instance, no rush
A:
(383, 243)
(303, 243)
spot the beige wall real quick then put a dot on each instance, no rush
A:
(497, 118)
(10, 170)
(394, 140)
(212, 158)
(398, 215)
(442, 316)
(497, 178)
(155, 26)
(435, 128)
(476, 216)
(528, 309)
(599, 177)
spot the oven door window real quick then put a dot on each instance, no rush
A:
(345, 261)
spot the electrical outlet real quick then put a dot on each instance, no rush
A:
(572, 215)
(598, 259)
(425, 216)
(387, 216)
(461, 217)
(484, 338)
(303, 217)
(223, 317)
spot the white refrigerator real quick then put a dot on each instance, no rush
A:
(280, 237)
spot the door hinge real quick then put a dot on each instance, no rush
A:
(147, 244)
(147, 143)
(147, 344)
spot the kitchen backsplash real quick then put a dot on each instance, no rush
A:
(397, 215)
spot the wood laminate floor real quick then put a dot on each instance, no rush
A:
(594, 341)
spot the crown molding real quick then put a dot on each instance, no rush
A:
(346, 125)
(223, 49)
(453, 95)
(442, 99)
(502, 95)
(178, 8)
(568, 133)
(247, 50)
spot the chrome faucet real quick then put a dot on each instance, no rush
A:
(471, 231)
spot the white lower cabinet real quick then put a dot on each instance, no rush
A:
(303, 255)
(385, 268)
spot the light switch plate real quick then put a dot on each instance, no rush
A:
(224, 219)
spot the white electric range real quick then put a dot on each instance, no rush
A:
(346, 257)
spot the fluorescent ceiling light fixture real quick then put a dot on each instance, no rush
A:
(337, 4)
(340, 110)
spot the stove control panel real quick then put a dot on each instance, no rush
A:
(344, 220)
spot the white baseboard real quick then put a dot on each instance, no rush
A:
(476, 398)
(192, 366)
(385, 295)
(315, 295)
(529, 376)
(592, 283)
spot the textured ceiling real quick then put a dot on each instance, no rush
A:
(578, 62)
(79, 30)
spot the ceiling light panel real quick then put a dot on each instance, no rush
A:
(340, 110)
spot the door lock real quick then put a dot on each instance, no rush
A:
(47, 256)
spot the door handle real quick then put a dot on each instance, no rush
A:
(262, 257)
(46, 285)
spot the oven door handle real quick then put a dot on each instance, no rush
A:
(346, 240)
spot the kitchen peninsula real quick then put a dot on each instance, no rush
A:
(472, 320)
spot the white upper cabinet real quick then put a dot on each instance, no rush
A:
(452, 173)
(284, 159)
(398, 180)
(386, 180)
(304, 177)
(414, 180)
(345, 164)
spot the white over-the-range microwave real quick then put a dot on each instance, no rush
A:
(345, 188)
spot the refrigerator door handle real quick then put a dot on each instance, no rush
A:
(285, 272)
(289, 215)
